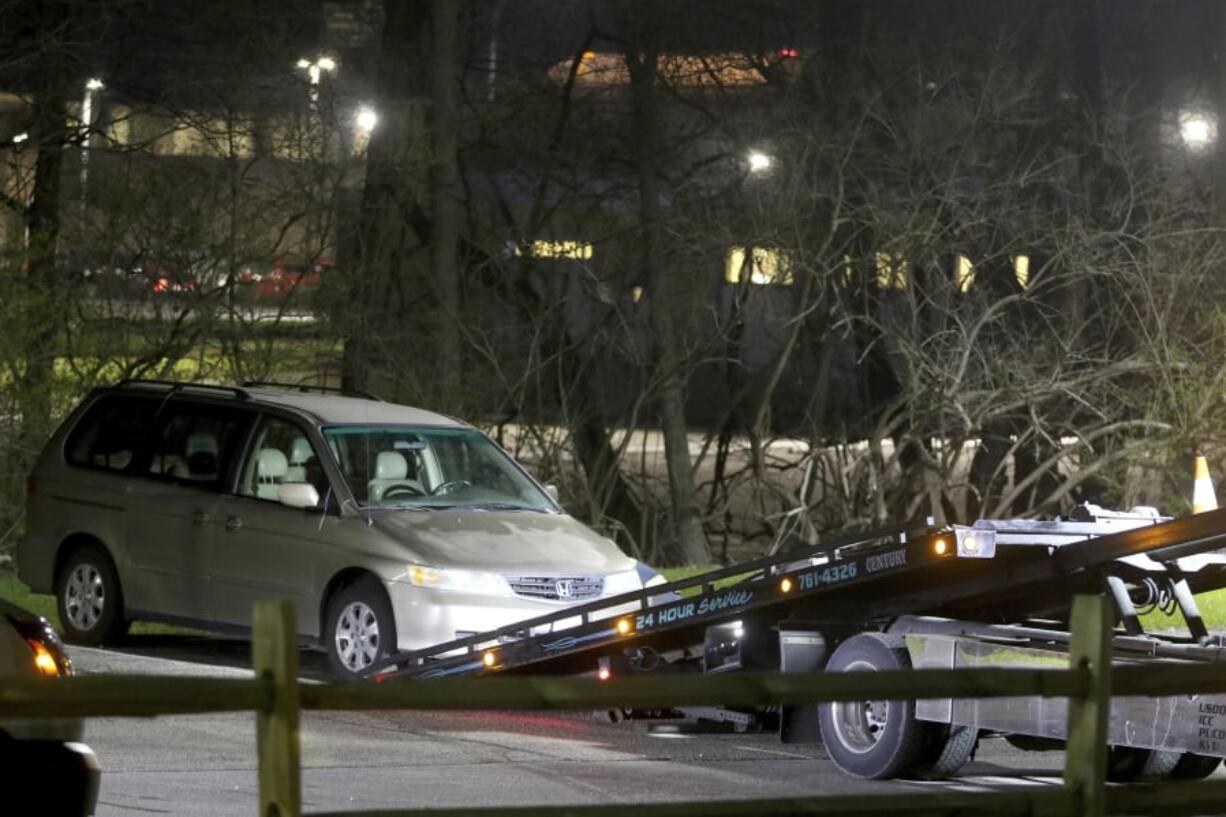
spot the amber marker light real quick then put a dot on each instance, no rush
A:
(786, 586)
(489, 658)
(940, 546)
(625, 626)
(44, 661)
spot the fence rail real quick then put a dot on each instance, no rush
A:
(277, 698)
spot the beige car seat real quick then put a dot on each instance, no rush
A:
(271, 468)
(299, 452)
(199, 457)
(391, 469)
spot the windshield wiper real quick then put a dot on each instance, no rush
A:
(502, 506)
(409, 506)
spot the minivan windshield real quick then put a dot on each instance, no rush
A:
(431, 468)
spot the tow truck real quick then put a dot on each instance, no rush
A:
(995, 593)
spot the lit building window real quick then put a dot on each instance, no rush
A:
(728, 69)
(891, 271)
(964, 273)
(574, 250)
(769, 266)
(1021, 270)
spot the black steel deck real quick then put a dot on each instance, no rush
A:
(857, 579)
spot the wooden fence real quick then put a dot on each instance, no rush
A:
(277, 698)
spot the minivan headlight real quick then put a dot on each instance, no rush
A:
(463, 581)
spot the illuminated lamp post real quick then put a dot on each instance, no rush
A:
(92, 86)
(315, 70)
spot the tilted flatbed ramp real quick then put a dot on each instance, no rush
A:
(994, 571)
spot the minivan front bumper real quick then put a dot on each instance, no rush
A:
(426, 616)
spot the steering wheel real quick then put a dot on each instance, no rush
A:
(401, 490)
(449, 486)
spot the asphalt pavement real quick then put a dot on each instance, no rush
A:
(206, 764)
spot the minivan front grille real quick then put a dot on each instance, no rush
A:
(557, 588)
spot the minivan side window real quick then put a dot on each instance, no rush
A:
(110, 432)
(282, 453)
(196, 443)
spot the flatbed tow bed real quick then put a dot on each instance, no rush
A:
(908, 595)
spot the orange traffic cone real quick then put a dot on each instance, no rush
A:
(1203, 497)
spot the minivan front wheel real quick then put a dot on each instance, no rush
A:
(360, 628)
(89, 598)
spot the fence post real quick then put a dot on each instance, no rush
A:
(1085, 762)
(274, 655)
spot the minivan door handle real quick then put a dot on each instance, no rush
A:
(200, 519)
(233, 523)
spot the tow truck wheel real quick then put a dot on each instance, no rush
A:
(949, 749)
(872, 739)
(1126, 764)
(1192, 766)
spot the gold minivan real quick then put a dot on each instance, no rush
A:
(390, 528)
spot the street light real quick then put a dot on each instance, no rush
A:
(365, 120)
(759, 162)
(92, 86)
(1197, 129)
(315, 70)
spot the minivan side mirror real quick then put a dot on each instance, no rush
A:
(298, 494)
(552, 490)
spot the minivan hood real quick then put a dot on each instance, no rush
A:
(503, 541)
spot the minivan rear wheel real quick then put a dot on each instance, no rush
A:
(89, 598)
(360, 628)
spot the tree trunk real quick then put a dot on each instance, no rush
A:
(384, 239)
(691, 544)
(49, 133)
(986, 476)
(445, 202)
(615, 499)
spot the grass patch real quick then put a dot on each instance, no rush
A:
(14, 590)
(1212, 609)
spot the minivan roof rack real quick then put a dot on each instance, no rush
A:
(179, 385)
(307, 388)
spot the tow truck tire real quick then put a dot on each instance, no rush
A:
(1126, 764)
(949, 749)
(872, 739)
(1192, 766)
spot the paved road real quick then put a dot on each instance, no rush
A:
(205, 764)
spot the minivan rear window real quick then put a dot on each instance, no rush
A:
(110, 432)
(197, 443)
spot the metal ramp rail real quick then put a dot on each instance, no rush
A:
(1023, 567)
